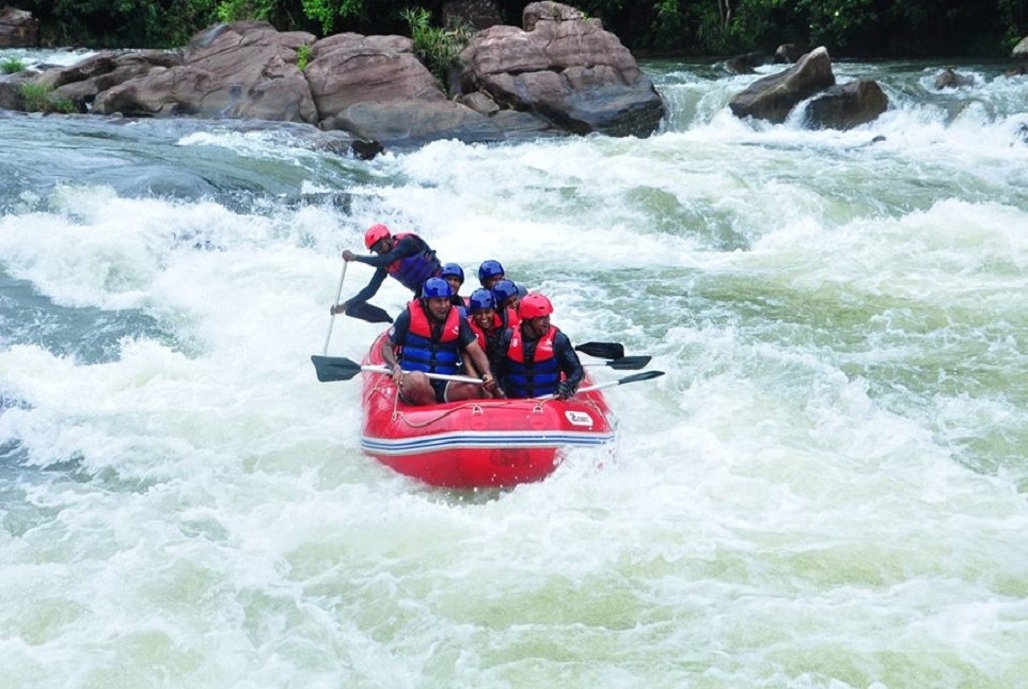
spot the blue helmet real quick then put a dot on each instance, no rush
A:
(481, 299)
(436, 288)
(504, 290)
(452, 269)
(489, 269)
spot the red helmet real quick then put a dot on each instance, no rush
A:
(375, 234)
(535, 306)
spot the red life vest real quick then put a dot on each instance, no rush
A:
(537, 377)
(513, 318)
(543, 350)
(484, 338)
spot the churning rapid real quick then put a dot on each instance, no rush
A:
(827, 489)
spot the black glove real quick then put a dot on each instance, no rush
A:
(566, 389)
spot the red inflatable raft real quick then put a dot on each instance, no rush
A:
(476, 443)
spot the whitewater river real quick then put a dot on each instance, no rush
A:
(827, 489)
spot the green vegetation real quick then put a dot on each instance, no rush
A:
(39, 98)
(437, 48)
(11, 65)
(303, 56)
(849, 28)
(326, 12)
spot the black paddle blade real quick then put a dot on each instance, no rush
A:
(369, 313)
(332, 368)
(629, 363)
(636, 377)
(603, 350)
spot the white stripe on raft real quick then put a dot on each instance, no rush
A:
(484, 440)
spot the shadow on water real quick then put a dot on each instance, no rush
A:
(239, 164)
(461, 496)
(90, 335)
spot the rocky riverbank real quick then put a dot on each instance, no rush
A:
(559, 74)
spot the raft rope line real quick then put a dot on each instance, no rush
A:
(476, 408)
(537, 405)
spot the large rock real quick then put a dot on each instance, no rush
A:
(18, 29)
(948, 79)
(564, 68)
(81, 82)
(773, 97)
(1021, 49)
(565, 74)
(239, 70)
(346, 69)
(10, 89)
(847, 105)
(402, 124)
(747, 63)
(789, 53)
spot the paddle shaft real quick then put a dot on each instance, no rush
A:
(634, 378)
(332, 319)
(434, 376)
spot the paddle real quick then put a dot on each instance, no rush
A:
(602, 350)
(634, 378)
(336, 368)
(332, 318)
(340, 368)
(626, 363)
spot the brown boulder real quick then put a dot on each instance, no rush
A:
(346, 69)
(18, 29)
(948, 79)
(746, 63)
(10, 89)
(773, 97)
(1021, 49)
(789, 53)
(405, 124)
(847, 105)
(239, 70)
(81, 82)
(548, 11)
(564, 68)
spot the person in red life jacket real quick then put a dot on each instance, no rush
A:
(484, 321)
(404, 256)
(430, 337)
(507, 296)
(454, 274)
(536, 359)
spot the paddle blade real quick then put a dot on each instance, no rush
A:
(629, 363)
(603, 350)
(333, 368)
(369, 313)
(636, 377)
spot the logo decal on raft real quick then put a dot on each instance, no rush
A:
(578, 418)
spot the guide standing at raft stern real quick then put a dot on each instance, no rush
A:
(404, 256)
